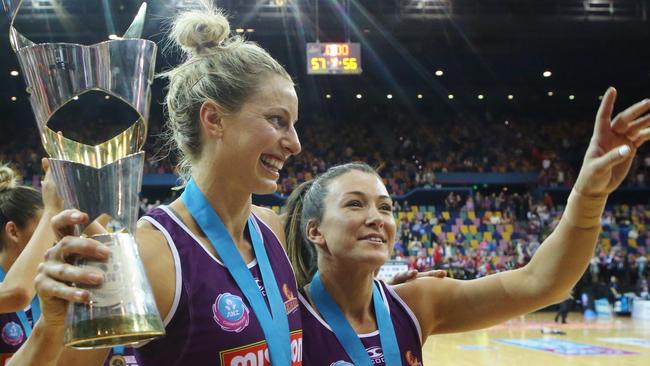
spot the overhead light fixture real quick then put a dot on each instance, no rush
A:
(359, 96)
(328, 96)
(250, 30)
(419, 96)
(239, 30)
(511, 97)
(550, 93)
(572, 97)
(547, 74)
(14, 73)
(13, 99)
(481, 96)
(389, 96)
(450, 96)
(439, 72)
(76, 97)
(113, 36)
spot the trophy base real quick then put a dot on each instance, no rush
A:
(113, 331)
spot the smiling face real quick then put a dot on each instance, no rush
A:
(261, 136)
(357, 227)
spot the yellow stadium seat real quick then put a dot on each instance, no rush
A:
(437, 229)
(414, 208)
(474, 243)
(410, 216)
(471, 215)
(509, 228)
(631, 243)
(506, 235)
(445, 215)
(487, 236)
(463, 229)
(451, 237)
(472, 229)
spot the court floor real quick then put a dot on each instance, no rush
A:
(621, 341)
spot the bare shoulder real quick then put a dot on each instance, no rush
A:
(272, 219)
(147, 232)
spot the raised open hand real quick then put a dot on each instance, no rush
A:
(613, 146)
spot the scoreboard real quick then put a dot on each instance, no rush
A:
(333, 58)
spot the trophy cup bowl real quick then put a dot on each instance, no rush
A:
(102, 179)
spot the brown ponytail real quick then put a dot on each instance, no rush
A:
(301, 252)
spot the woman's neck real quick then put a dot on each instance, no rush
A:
(351, 289)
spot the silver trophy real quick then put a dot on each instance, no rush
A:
(103, 179)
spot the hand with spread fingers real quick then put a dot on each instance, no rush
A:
(613, 146)
(57, 272)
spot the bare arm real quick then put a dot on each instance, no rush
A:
(20, 277)
(451, 306)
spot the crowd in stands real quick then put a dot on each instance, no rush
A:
(408, 149)
(477, 235)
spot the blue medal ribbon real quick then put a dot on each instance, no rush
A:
(275, 323)
(35, 308)
(343, 331)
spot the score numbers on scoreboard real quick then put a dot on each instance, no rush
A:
(333, 58)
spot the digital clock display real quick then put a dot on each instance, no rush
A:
(333, 58)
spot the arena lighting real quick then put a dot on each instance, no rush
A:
(13, 99)
(511, 97)
(359, 96)
(450, 96)
(328, 96)
(250, 30)
(550, 93)
(481, 96)
(419, 96)
(113, 36)
(239, 30)
(107, 97)
(439, 72)
(572, 97)
(547, 74)
(14, 73)
(389, 96)
(75, 97)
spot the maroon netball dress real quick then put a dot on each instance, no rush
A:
(211, 321)
(322, 348)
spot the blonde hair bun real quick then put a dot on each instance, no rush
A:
(196, 32)
(8, 178)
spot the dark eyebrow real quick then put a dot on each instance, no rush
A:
(359, 193)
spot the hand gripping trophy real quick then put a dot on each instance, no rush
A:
(100, 179)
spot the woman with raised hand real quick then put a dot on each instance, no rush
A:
(221, 279)
(341, 230)
(25, 235)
